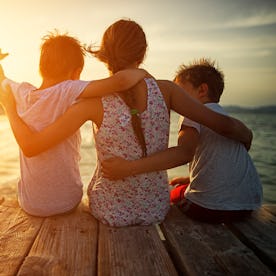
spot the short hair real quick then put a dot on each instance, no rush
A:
(60, 54)
(203, 71)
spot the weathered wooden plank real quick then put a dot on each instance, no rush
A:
(270, 208)
(66, 245)
(8, 191)
(17, 233)
(135, 250)
(205, 249)
(259, 233)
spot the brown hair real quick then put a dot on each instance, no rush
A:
(60, 54)
(203, 71)
(124, 44)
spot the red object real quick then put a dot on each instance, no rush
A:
(177, 194)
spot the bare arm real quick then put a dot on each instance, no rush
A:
(2, 74)
(33, 143)
(185, 105)
(116, 168)
(118, 82)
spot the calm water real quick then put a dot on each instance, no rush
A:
(263, 150)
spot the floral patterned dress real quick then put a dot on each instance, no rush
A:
(142, 199)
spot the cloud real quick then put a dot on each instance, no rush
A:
(261, 19)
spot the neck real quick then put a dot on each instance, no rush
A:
(50, 82)
(205, 100)
(134, 65)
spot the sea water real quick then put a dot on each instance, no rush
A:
(263, 149)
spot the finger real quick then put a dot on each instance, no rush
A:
(2, 56)
(173, 183)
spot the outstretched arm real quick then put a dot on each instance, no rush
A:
(33, 143)
(185, 105)
(2, 75)
(122, 80)
(116, 168)
(3, 55)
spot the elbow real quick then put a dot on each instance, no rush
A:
(29, 154)
(29, 150)
(190, 155)
(187, 154)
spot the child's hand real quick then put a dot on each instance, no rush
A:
(180, 181)
(2, 56)
(116, 168)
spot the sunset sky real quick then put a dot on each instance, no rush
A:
(239, 35)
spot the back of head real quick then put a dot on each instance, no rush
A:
(123, 44)
(60, 54)
(203, 71)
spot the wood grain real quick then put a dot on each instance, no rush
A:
(199, 247)
(66, 245)
(259, 234)
(135, 250)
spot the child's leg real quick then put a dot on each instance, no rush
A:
(213, 216)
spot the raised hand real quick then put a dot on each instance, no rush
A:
(2, 55)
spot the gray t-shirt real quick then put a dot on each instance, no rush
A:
(222, 174)
(50, 182)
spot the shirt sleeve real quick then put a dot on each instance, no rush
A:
(186, 122)
(72, 90)
(58, 98)
(20, 92)
(13, 85)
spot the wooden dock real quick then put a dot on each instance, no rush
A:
(77, 244)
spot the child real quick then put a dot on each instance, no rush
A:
(224, 184)
(50, 183)
(123, 126)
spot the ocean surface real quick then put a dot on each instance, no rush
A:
(262, 121)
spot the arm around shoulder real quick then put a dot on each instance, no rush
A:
(120, 81)
(184, 104)
(33, 143)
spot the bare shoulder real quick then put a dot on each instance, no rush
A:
(166, 87)
(166, 84)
